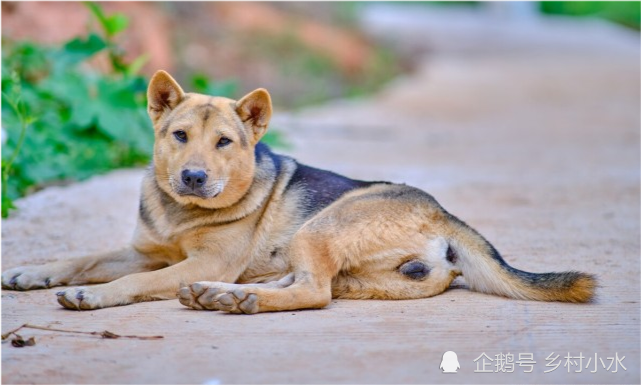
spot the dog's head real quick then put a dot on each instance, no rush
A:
(204, 148)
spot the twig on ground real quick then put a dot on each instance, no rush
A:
(103, 334)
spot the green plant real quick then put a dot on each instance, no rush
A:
(17, 106)
(62, 121)
(65, 123)
(111, 26)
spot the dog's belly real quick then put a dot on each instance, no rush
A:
(271, 267)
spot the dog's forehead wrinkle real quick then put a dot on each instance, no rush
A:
(223, 122)
(208, 112)
(190, 117)
(179, 117)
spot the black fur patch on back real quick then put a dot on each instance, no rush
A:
(321, 188)
(261, 151)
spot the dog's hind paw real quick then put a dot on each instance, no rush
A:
(219, 296)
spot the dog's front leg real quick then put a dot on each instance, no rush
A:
(96, 268)
(148, 286)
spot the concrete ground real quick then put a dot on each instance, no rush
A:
(534, 141)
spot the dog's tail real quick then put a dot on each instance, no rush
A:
(485, 270)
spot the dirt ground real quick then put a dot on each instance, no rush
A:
(534, 141)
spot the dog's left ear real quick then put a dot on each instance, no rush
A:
(255, 110)
(163, 95)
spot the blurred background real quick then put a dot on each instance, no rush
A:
(521, 117)
(74, 74)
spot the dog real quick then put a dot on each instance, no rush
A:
(226, 224)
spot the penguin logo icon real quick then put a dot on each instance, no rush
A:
(450, 362)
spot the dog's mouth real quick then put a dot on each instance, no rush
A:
(209, 191)
(198, 194)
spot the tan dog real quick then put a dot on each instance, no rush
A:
(273, 234)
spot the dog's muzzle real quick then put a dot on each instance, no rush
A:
(193, 179)
(194, 182)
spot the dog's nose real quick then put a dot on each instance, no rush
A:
(194, 179)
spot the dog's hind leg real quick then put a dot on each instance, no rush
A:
(421, 268)
(98, 268)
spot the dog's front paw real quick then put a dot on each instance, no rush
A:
(28, 278)
(218, 296)
(80, 298)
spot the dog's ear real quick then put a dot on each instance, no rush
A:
(255, 110)
(163, 95)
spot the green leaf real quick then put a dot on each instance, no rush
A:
(89, 46)
(7, 205)
(96, 10)
(115, 24)
(134, 68)
(118, 94)
(80, 49)
(200, 82)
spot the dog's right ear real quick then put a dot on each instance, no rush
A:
(163, 95)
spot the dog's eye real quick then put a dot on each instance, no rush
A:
(222, 142)
(181, 136)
